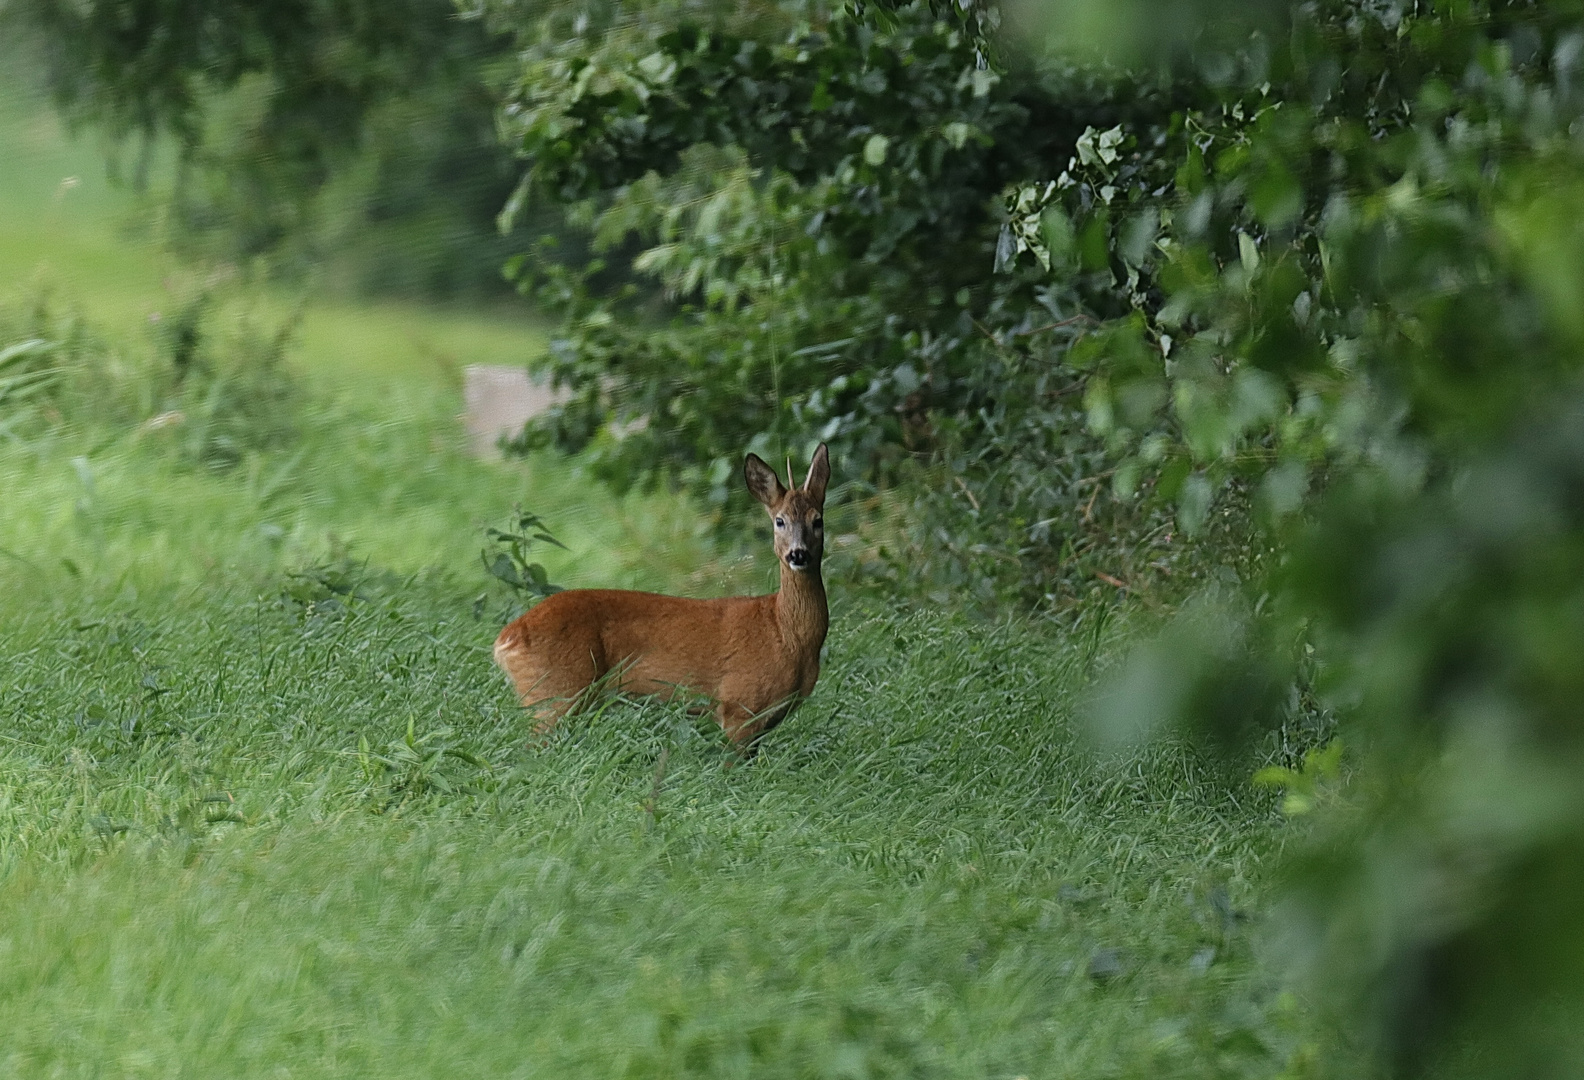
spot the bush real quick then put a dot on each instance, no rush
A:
(1256, 263)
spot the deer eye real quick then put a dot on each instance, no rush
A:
(819, 523)
(780, 524)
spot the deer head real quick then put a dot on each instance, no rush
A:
(798, 513)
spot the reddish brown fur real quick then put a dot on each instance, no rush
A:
(756, 657)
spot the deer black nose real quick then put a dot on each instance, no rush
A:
(797, 558)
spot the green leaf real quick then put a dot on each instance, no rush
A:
(1060, 239)
(1138, 237)
(1094, 244)
(501, 567)
(957, 133)
(1193, 503)
(1282, 489)
(1248, 252)
(1276, 197)
(1171, 478)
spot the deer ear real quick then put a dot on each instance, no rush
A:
(762, 481)
(818, 475)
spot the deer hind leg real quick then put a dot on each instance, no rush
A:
(547, 691)
(547, 712)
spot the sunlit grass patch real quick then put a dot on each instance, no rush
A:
(396, 488)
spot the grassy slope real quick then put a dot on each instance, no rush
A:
(220, 854)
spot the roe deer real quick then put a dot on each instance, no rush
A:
(756, 657)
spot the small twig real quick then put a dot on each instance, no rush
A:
(1002, 346)
(1109, 580)
(987, 332)
(1089, 506)
(652, 803)
(968, 493)
(1057, 325)
(1095, 479)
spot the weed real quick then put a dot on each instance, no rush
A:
(214, 387)
(507, 560)
(412, 766)
(325, 589)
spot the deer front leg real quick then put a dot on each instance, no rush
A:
(745, 727)
(737, 721)
(546, 714)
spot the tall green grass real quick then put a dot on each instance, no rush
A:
(243, 837)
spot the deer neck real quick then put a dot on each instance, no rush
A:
(801, 610)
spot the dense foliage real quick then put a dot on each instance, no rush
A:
(1255, 262)
(1441, 894)
(823, 208)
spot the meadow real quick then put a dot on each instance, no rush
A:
(266, 809)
